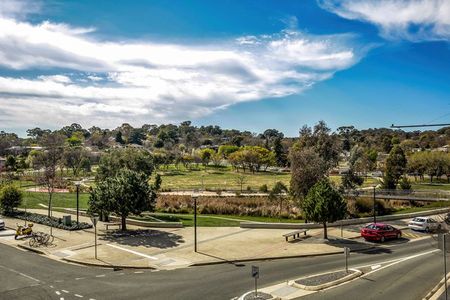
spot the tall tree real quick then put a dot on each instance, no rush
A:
(324, 204)
(49, 160)
(128, 192)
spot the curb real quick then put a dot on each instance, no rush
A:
(32, 249)
(274, 257)
(104, 265)
(322, 286)
(433, 293)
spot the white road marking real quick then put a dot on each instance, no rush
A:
(399, 261)
(58, 293)
(134, 252)
(65, 291)
(51, 287)
(61, 298)
(103, 275)
(79, 296)
(79, 278)
(138, 272)
(375, 267)
(20, 273)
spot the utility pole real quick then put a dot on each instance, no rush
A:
(194, 196)
(444, 251)
(374, 206)
(78, 201)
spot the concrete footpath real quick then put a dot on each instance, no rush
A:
(170, 248)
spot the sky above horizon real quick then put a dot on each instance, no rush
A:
(249, 65)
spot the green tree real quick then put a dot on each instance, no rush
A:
(396, 163)
(128, 192)
(129, 158)
(206, 155)
(10, 198)
(48, 160)
(278, 193)
(312, 156)
(324, 204)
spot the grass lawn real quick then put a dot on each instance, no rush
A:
(215, 178)
(66, 200)
(433, 205)
(431, 186)
(211, 220)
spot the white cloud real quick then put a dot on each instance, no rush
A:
(144, 81)
(19, 9)
(414, 20)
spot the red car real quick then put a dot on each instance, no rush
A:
(380, 232)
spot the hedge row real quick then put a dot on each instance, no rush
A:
(45, 220)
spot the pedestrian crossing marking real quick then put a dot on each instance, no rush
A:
(412, 235)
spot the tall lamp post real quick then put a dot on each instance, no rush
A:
(194, 196)
(77, 184)
(374, 206)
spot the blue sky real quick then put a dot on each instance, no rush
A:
(250, 65)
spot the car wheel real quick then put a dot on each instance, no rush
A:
(382, 239)
(427, 230)
(439, 227)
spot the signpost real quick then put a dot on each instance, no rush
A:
(194, 196)
(255, 274)
(442, 245)
(346, 253)
(94, 220)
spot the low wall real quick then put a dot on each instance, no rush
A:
(342, 222)
(132, 221)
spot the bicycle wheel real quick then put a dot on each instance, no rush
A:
(32, 241)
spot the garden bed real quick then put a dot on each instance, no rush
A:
(54, 222)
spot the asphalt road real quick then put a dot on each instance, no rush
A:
(26, 275)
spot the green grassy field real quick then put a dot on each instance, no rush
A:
(66, 200)
(211, 220)
(215, 178)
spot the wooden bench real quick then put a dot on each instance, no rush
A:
(107, 225)
(295, 234)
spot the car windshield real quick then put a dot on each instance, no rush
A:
(373, 227)
(419, 220)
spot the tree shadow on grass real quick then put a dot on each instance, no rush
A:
(147, 238)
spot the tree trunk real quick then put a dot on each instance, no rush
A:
(49, 203)
(325, 234)
(124, 223)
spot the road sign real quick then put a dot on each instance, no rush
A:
(94, 220)
(255, 272)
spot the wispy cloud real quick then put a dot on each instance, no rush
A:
(148, 81)
(413, 20)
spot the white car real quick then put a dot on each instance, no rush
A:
(2, 224)
(426, 224)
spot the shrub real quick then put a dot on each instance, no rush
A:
(55, 222)
(263, 188)
(10, 198)
(364, 207)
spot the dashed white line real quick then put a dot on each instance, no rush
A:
(138, 272)
(58, 293)
(61, 298)
(103, 275)
(79, 278)
(52, 287)
(79, 296)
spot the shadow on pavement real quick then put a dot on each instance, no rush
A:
(357, 246)
(222, 259)
(146, 238)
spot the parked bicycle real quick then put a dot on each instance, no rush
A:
(41, 239)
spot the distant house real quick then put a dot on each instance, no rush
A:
(445, 148)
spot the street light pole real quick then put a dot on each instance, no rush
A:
(195, 223)
(374, 206)
(78, 202)
(444, 251)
